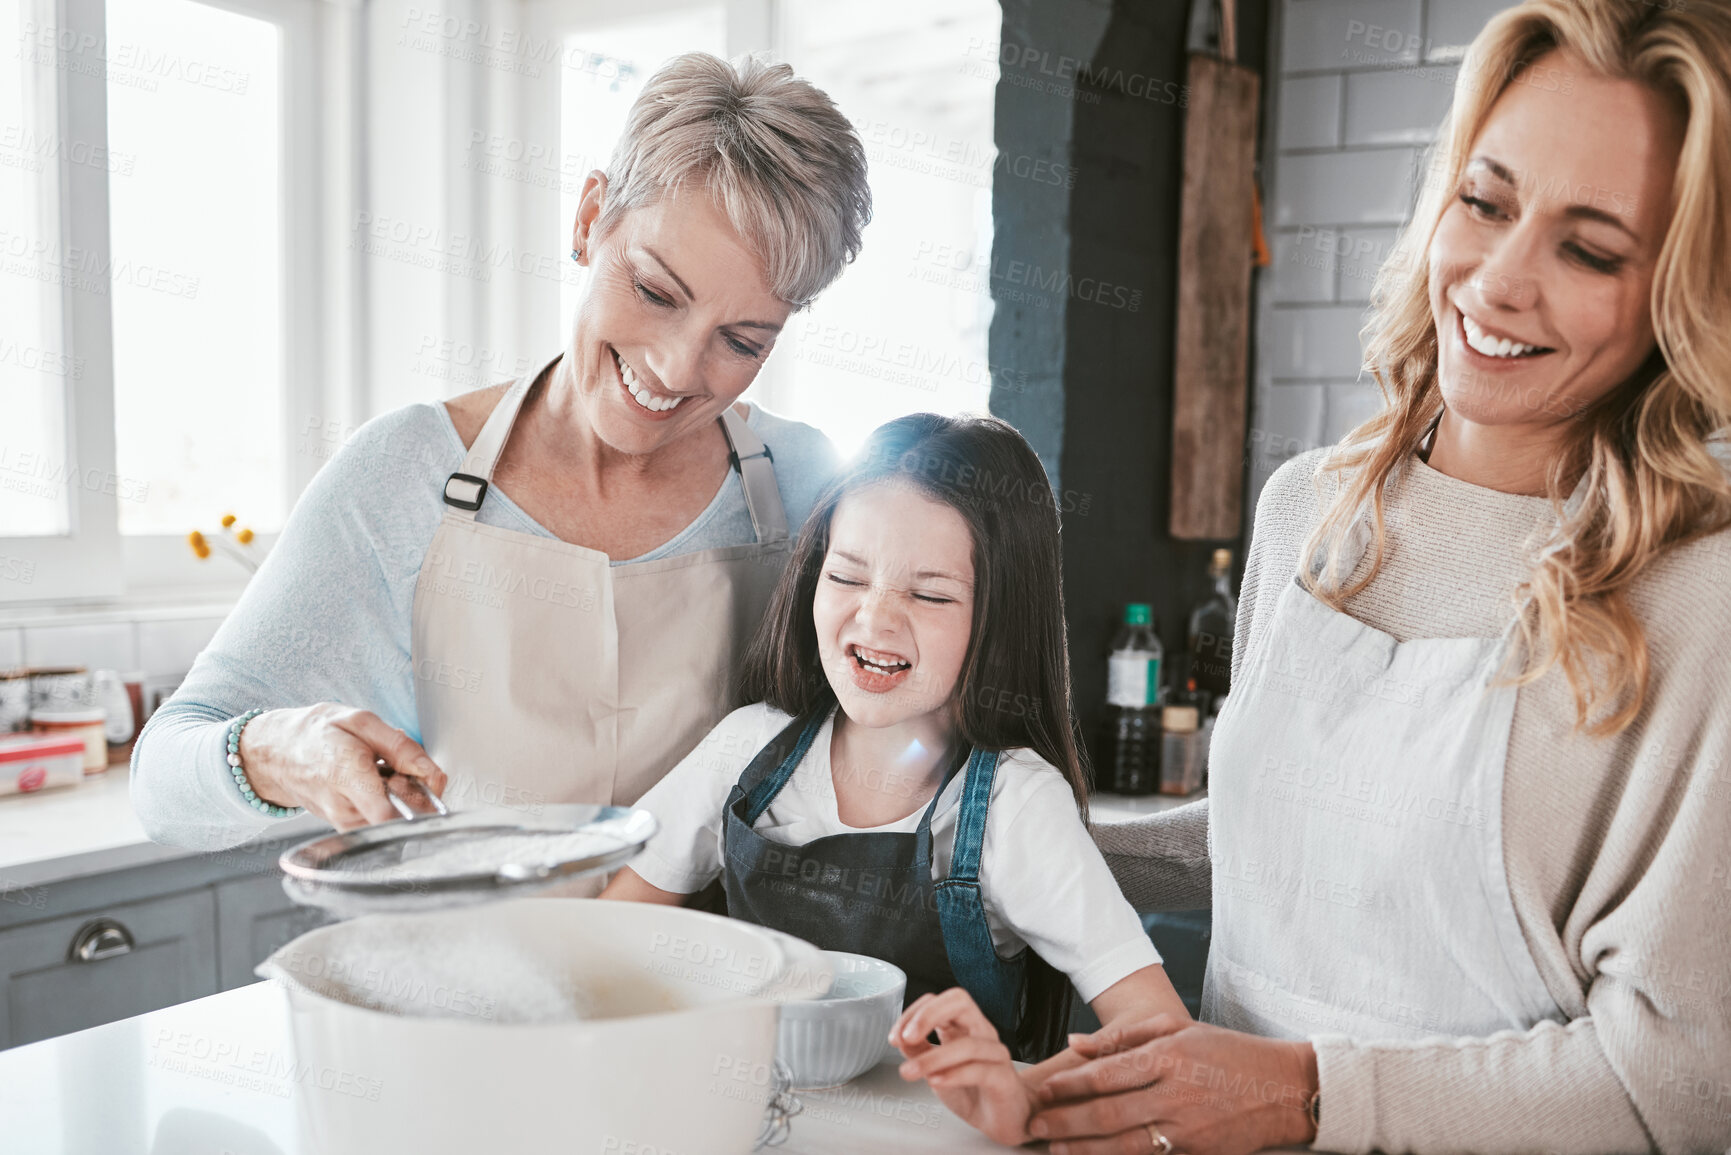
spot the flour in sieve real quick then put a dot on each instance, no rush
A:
(430, 859)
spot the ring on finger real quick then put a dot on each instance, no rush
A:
(1161, 1144)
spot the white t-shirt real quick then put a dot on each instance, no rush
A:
(1042, 881)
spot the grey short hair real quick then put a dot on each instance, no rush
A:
(783, 163)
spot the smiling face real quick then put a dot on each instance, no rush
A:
(894, 604)
(1541, 267)
(677, 320)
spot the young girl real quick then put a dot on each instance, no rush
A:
(908, 785)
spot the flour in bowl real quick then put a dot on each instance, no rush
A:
(406, 969)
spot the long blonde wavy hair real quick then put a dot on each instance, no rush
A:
(1651, 480)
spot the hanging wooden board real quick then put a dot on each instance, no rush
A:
(1215, 251)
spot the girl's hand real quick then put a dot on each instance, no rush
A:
(1208, 1090)
(323, 757)
(969, 1069)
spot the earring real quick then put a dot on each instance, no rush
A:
(576, 254)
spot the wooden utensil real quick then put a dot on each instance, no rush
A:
(1215, 253)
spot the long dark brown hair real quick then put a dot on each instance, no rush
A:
(1014, 688)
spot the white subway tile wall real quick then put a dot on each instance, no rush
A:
(1327, 35)
(1360, 88)
(1301, 271)
(1389, 108)
(1348, 405)
(1345, 187)
(1450, 25)
(159, 641)
(1317, 342)
(168, 647)
(1356, 254)
(110, 645)
(1310, 112)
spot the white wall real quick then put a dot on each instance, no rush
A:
(1357, 92)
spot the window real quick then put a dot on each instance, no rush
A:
(905, 327)
(35, 366)
(605, 68)
(232, 230)
(904, 330)
(155, 261)
(196, 229)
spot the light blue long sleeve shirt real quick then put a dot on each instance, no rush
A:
(327, 618)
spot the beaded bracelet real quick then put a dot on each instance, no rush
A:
(270, 810)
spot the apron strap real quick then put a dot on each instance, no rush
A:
(467, 488)
(982, 767)
(969, 799)
(756, 468)
(769, 771)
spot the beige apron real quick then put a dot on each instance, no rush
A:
(544, 674)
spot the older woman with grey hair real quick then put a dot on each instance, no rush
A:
(535, 593)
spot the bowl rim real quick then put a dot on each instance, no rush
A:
(897, 973)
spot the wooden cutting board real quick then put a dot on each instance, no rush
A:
(1215, 252)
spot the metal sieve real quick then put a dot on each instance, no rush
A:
(421, 861)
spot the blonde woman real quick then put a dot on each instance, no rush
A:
(537, 592)
(1468, 840)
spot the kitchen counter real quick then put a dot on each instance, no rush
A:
(87, 829)
(1104, 807)
(218, 1074)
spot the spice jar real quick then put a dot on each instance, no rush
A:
(1181, 753)
(14, 700)
(87, 724)
(60, 688)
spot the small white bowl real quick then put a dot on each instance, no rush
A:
(827, 1041)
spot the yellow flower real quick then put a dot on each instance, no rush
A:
(243, 536)
(200, 548)
(227, 520)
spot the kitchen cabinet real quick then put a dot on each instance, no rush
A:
(253, 918)
(66, 974)
(155, 925)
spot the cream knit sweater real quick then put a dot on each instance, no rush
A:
(1618, 851)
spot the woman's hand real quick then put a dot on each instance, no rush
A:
(969, 1069)
(1210, 1091)
(324, 758)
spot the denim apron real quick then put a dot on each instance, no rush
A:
(1355, 830)
(873, 893)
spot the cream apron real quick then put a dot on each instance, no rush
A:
(544, 674)
(1355, 827)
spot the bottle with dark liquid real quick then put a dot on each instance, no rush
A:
(1210, 634)
(1133, 704)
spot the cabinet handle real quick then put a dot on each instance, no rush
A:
(100, 939)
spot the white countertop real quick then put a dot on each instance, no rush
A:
(219, 1075)
(87, 829)
(73, 830)
(96, 814)
(136, 1087)
(1103, 807)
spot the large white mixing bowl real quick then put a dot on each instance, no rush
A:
(674, 1055)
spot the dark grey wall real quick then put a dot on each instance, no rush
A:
(1108, 323)
(1042, 40)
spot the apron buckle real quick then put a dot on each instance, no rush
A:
(734, 458)
(472, 502)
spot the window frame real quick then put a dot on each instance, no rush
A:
(94, 561)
